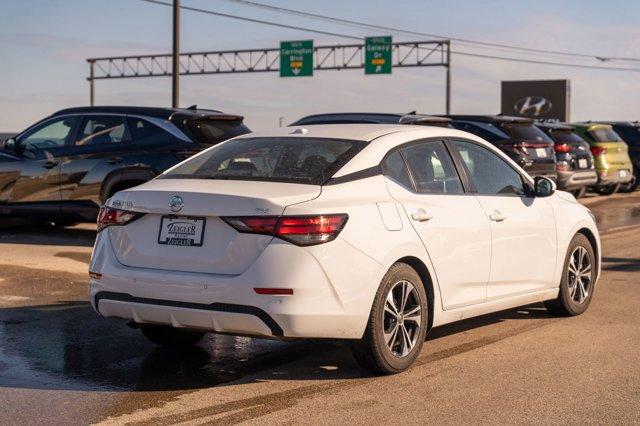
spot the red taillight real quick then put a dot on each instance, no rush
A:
(598, 150)
(274, 291)
(299, 230)
(562, 148)
(109, 216)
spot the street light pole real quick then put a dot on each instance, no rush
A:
(175, 76)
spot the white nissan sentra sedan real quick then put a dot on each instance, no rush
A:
(372, 233)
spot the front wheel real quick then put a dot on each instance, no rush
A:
(397, 324)
(578, 279)
(170, 336)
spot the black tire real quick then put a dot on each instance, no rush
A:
(606, 189)
(170, 336)
(569, 302)
(579, 193)
(372, 351)
(631, 186)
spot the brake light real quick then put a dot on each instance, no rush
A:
(598, 150)
(562, 148)
(109, 216)
(299, 230)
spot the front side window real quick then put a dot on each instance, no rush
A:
(50, 135)
(296, 160)
(490, 173)
(432, 168)
(102, 130)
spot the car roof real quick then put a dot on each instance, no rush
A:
(157, 112)
(555, 126)
(591, 124)
(635, 123)
(370, 118)
(490, 118)
(359, 132)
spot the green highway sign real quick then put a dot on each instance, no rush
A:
(377, 55)
(296, 58)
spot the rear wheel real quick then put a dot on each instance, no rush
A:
(606, 189)
(578, 279)
(633, 185)
(170, 336)
(397, 324)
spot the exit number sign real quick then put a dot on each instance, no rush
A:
(296, 58)
(377, 55)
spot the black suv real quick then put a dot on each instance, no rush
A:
(574, 162)
(518, 137)
(64, 167)
(372, 118)
(630, 133)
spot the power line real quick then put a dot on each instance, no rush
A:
(257, 21)
(360, 24)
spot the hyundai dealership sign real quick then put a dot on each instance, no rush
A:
(537, 99)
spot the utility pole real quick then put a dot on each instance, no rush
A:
(175, 76)
(448, 107)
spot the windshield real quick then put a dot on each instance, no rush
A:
(297, 160)
(211, 131)
(526, 132)
(604, 134)
(566, 136)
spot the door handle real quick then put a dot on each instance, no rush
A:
(421, 216)
(114, 160)
(49, 164)
(496, 216)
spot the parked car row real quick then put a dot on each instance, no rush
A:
(577, 156)
(67, 165)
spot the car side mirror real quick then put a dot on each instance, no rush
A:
(10, 144)
(544, 187)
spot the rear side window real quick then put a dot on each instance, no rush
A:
(296, 160)
(211, 132)
(490, 173)
(102, 130)
(142, 129)
(432, 168)
(395, 167)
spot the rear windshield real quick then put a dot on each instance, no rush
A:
(526, 133)
(566, 136)
(211, 132)
(297, 160)
(604, 134)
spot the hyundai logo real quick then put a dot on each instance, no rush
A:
(176, 203)
(533, 106)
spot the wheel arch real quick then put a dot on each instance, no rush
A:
(422, 270)
(594, 243)
(119, 177)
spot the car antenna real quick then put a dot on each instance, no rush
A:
(193, 107)
(414, 112)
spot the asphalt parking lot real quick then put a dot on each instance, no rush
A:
(60, 362)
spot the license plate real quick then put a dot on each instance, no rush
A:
(623, 173)
(541, 152)
(181, 231)
(582, 163)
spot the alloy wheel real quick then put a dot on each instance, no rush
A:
(579, 275)
(402, 318)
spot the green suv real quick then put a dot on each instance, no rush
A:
(610, 155)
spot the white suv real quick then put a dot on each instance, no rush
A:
(374, 233)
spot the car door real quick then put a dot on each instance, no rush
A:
(98, 148)
(33, 175)
(523, 231)
(449, 220)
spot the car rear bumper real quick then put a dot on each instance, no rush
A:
(575, 179)
(614, 176)
(331, 301)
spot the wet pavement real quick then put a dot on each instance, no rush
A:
(62, 363)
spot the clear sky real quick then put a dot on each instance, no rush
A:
(44, 43)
